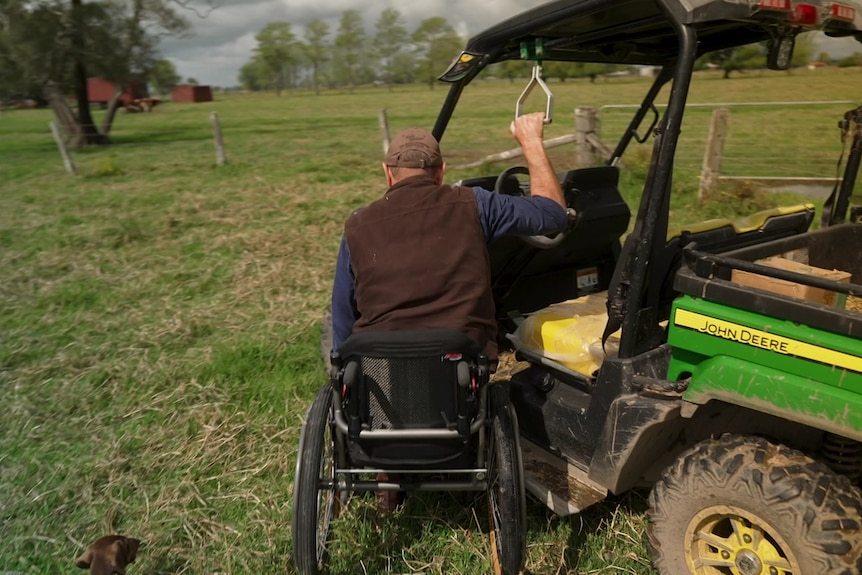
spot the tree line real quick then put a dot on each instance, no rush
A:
(318, 57)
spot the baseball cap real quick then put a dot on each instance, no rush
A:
(414, 148)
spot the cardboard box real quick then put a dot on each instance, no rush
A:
(792, 289)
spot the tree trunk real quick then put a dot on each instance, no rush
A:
(113, 106)
(89, 135)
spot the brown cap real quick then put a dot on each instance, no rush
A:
(414, 148)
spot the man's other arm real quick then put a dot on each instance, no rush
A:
(344, 312)
(528, 130)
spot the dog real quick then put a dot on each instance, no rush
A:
(109, 555)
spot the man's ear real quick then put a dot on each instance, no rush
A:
(441, 173)
(131, 548)
(388, 171)
(83, 562)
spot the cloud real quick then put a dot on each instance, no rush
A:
(224, 40)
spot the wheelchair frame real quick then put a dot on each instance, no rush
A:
(337, 427)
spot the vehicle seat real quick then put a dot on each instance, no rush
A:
(525, 278)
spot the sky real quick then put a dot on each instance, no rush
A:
(223, 39)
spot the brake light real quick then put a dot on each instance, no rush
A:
(842, 12)
(774, 4)
(804, 14)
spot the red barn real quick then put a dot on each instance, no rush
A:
(187, 93)
(101, 91)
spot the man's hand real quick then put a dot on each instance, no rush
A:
(529, 128)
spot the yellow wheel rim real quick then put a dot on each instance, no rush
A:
(723, 539)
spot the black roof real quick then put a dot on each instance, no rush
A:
(642, 31)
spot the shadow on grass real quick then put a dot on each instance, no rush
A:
(610, 533)
(434, 532)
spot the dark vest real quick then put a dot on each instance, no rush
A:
(420, 261)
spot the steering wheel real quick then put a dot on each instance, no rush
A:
(540, 242)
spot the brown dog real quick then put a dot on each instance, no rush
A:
(109, 555)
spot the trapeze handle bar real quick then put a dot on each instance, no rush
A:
(536, 80)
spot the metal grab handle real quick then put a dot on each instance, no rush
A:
(536, 79)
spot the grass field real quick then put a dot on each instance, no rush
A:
(160, 317)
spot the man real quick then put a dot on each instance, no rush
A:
(417, 257)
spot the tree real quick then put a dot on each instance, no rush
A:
(510, 70)
(563, 70)
(349, 47)
(436, 44)
(854, 59)
(254, 76)
(163, 76)
(142, 23)
(34, 48)
(278, 49)
(388, 46)
(742, 58)
(316, 49)
(58, 44)
(120, 42)
(803, 50)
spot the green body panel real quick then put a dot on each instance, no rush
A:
(771, 365)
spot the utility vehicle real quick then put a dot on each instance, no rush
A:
(738, 406)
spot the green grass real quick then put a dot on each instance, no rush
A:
(159, 318)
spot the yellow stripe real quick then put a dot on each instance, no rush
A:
(765, 340)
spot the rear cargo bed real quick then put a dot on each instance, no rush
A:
(836, 248)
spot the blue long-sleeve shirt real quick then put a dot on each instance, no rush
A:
(499, 215)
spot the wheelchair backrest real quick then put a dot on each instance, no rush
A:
(406, 379)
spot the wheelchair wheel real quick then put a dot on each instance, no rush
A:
(506, 496)
(315, 499)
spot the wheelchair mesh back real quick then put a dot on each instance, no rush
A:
(410, 392)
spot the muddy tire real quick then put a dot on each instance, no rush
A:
(743, 505)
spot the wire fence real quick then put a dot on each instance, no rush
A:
(765, 139)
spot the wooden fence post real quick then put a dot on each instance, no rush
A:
(64, 152)
(384, 130)
(585, 125)
(219, 143)
(714, 150)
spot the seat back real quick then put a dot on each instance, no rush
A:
(409, 397)
(407, 393)
(525, 279)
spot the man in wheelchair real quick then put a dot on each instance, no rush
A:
(409, 407)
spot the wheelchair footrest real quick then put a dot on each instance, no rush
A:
(563, 487)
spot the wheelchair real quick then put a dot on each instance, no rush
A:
(418, 407)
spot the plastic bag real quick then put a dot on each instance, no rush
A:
(569, 333)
